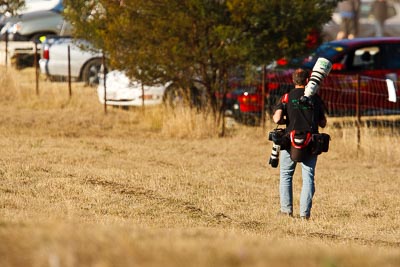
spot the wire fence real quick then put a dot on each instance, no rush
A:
(360, 95)
(352, 101)
(345, 95)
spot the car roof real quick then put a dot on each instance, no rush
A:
(347, 44)
(366, 40)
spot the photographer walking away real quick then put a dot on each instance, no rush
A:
(300, 118)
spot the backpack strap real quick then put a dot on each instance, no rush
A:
(285, 98)
(284, 102)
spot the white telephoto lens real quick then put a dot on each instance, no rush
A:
(321, 69)
(323, 66)
(311, 88)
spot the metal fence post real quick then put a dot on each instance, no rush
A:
(6, 52)
(36, 69)
(358, 115)
(104, 82)
(69, 71)
(263, 97)
(142, 97)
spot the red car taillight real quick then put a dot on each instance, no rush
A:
(46, 54)
(273, 86)
(248, 99)
(249, 103)
(338, 66)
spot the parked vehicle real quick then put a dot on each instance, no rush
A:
(367, 22)
(376, 59)
(33, 25)
(36, 5)
(244, 102)
(85, 62)
(122, 91)
(30, 6)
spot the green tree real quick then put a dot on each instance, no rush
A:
(278, 28)
(196, 41)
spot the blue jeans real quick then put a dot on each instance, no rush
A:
(287, 168)
(379, 28)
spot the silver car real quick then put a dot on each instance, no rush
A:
(84, 61)
(366, 22)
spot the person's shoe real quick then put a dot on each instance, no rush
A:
(287, 214)
(304, 218)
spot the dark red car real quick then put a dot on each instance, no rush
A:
(358, 77)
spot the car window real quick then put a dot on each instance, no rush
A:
(366, 58)
(392, 61)
(250, 89)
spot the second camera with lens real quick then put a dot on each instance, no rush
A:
(277, 136)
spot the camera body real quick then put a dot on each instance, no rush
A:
(277, 137)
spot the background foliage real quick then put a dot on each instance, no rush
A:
(199, 42)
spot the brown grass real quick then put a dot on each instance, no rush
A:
(159, 188)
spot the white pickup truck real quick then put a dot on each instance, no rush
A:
(84, 61)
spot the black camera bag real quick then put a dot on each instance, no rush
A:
(320, 143)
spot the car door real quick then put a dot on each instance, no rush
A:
(360, 65)
(372, 65)
(391, 64)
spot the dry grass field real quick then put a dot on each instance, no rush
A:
(82, 188)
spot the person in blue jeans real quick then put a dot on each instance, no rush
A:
(299, 118)
(379, 11)
(349, 11)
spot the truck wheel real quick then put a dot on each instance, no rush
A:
(91, 71)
